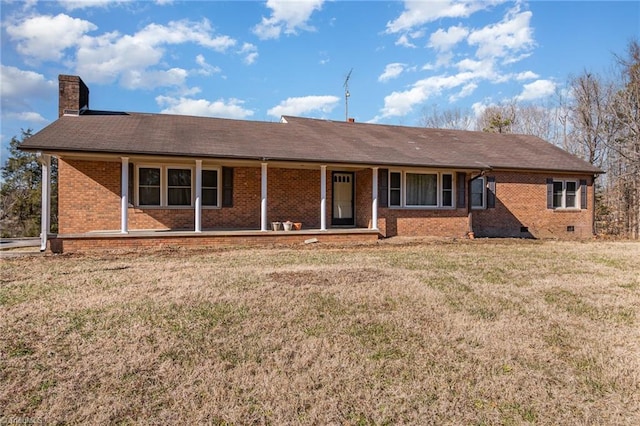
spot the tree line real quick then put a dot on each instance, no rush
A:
(596, 117)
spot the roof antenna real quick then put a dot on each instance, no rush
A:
(346, 96)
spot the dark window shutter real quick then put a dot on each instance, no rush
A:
(583, 194)
(227, 187)
(131, 187)
(383, 187)
(491, 192)
(461, 192)
(549, 193)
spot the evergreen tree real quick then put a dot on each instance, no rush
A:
(21, 192)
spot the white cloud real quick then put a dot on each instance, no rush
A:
(205, 68)
(178, 32)
(18, 85)
(527, 75)
(484, 69)
(134, 79)
(417, 13)
(537, 90)
(304, 105)
(444, 40)
(250, 52)
(230, 108)
(47, 37)
(288, 16)
(403, 40)
(18, 88)
(402, 103)
(467, 90)
(27, 116)
(112, 56)
(511, 35)
(391, 71)
(84, 4)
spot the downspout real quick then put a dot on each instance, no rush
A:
(470, 232)
(45, 206)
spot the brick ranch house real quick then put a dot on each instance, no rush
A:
(137, 180)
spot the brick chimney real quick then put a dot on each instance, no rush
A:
(73, 94)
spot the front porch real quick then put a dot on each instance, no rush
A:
(158, 239)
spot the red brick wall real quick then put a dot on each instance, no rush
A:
(363, 198)
(89, 200)
(419, 222)
(521, 201)
(88, 196)
(128, 242)
(294, 195)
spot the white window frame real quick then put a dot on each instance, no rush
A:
(439, 189)
(453, 189)
(401, 189)
(191, 185)
(137, 185)
(164, 187)
(563, 200)
(483, 206)
(219, 188)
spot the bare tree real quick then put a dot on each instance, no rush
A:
(539, 119)
(625, 109)
(592, 125)
(455, 119)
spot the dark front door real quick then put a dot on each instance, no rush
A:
(342, 212)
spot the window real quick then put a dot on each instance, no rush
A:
(210, 188)
(179, 187)
(149, 186)
(395, 182)
(421, 189)
(447, 190)
(411, 189)
(565, 194)
(174, 186)
(571, 189)
(478, 193)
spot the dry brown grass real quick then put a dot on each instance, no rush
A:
(429, 332)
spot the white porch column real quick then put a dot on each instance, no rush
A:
(374, 198)
(263, 202)
(45, 220)
(198, 206)
(323, 198)
(124, 198)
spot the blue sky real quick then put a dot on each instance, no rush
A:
(260, 60)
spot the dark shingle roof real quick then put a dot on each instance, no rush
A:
(300, 139)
